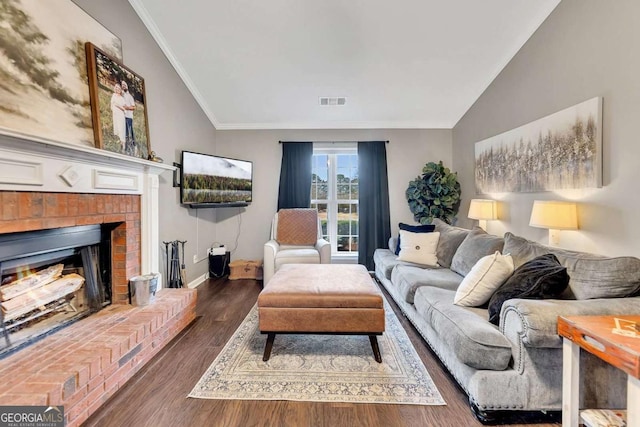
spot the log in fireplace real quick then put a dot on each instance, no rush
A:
(50, 279)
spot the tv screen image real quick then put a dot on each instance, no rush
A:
(208, 179)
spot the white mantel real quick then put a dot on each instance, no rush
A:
(48, 166)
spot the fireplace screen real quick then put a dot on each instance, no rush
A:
(49, 279)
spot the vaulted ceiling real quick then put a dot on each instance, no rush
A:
(264, 64)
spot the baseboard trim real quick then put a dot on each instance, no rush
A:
(198, 281)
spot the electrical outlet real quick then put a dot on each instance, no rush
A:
(195, 259)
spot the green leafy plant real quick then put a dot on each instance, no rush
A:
(435, 194)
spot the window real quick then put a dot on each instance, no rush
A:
(334, 192)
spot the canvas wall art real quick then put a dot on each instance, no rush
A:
(44, 92)
(559, 151)
(118, 105)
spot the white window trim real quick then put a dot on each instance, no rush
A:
(330, 148)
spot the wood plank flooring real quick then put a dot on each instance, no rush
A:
(157, 395)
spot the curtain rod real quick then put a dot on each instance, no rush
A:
(332, 142)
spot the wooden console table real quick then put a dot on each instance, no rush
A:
(614, 339)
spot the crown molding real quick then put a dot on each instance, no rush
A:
(333, 125)
(153, 29)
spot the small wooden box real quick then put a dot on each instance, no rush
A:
(245, 269)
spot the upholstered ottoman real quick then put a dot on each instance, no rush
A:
(321, 299)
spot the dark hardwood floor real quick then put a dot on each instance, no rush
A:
(157, 395)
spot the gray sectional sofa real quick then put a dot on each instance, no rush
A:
(516, 366)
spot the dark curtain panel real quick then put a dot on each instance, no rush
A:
(374, 219)
(295, 175)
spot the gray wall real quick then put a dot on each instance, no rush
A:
(176, 122)
(407, 152)
(585, 48)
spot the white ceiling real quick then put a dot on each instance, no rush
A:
(263, 64)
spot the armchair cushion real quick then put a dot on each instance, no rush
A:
(297, 256)
(297, 227)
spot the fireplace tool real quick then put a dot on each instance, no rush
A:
(176, 269)
(183, 270)
(167, 277)
(176, 282)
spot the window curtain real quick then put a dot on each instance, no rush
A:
(374, 228)
(295, 175)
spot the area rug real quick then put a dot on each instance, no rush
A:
(319, 368)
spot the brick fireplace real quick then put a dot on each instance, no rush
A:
(49, 185)
(29, 211)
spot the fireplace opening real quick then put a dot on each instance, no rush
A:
(50, 279)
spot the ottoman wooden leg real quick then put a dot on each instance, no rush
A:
(375, 348)
(269, 345)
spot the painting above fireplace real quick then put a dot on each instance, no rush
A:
(45, 91)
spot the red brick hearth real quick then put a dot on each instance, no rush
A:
(82, 365)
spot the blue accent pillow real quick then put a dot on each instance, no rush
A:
(422, 228)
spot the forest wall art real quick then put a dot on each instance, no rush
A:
(44, 92)
(559, 151)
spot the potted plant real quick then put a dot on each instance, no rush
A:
(435, 194)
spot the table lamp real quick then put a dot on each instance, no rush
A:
(483, 210)
(555, 216)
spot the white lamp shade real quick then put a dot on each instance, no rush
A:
(483, 209)
(554, 215)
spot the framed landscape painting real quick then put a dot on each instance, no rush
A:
(560, 151)
(117, 105)
(43, 73)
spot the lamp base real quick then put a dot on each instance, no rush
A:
(554, 237)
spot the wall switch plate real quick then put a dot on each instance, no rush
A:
(195, 259)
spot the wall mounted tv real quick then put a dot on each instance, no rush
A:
(214, 181)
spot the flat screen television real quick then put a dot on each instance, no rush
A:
(214, 181)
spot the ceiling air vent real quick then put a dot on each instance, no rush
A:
(333, 100)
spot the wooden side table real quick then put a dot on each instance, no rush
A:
(614, 339)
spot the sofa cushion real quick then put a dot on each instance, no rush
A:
(523, 250)
(419, 248)
(476, 245)
(542, 277)
(420, 228)
(408, 279)
(591, 276)
(603, 278)
(450, 238)
(385, 261)
(484, 279)
(475, 341)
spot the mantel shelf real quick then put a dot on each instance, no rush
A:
(60, 150)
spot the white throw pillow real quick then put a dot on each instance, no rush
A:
(419, 248)
(484, 279)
